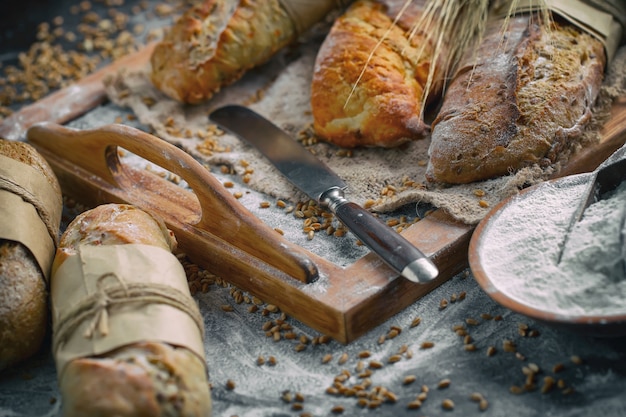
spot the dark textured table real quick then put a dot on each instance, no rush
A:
(589, 373)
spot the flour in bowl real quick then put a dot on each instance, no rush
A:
(521, 246)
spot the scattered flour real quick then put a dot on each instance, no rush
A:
(520, 249)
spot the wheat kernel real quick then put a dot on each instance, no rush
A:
(483, 404)
(394, 358)
(476, 396)
(286, 396)
(414, 405)
(447, 404)
(409, 379)
(444, 383)
(375, 364)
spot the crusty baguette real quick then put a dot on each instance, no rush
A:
(214, 43)
(146, 378)
(526, 101)
(24, 315)
(368, 93)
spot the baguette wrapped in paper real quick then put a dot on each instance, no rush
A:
(127, 335)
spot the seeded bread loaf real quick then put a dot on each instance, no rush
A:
(366, 92)
(519, 100)
(140, 378)
(24, 315)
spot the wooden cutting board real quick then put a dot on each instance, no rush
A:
(221, 235)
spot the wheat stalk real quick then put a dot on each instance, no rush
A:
(454, 28)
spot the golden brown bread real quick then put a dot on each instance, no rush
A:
(141, 380)
(368, 94)
(144, 378)
(526, 101)
(214, 43)
(24, 315)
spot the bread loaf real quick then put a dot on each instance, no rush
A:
(370, 75)
(30, 219)
(519, 100)
(214, 43)
(138, 371)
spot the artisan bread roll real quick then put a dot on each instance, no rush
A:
(370, 76)
(138, 378)
(519, 100)
(214, 43)
(24, 316)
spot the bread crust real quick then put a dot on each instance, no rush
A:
(214, 43)
(141, 380)
(24, 316)
(116, 224)
(24, 313)
(527, 103)
(370, 93)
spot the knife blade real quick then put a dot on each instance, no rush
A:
(320, 183)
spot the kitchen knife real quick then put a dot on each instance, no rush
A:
(315, 179)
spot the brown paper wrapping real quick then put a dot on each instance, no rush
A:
(306, 13)
(600, 18)
(26, 198)
(98, 271)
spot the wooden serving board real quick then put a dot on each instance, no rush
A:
(219, 234)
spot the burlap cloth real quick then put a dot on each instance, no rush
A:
(280, 90)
